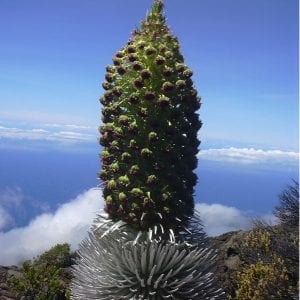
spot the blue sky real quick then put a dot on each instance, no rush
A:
(244, 55)
(53, 54)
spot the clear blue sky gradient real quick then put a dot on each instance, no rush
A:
(244, 55)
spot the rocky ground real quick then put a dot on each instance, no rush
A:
(228, 262)
(5, 273)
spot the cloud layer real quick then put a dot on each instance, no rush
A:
(218, 218)
(9, 198)
(250, 156)
(5, 218)
(33, 128)
(70, 223)
(36, 128)
(47, 135)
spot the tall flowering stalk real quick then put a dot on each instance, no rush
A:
(149, 244)
(149, 130)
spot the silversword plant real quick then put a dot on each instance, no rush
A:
(149, 243)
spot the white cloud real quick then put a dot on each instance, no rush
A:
(36, 126)
(5, 218)
(9, 197)
(69, 126)
(218, 218)
(71, 135)
(69, 224)
(42, 134)
(250, 155)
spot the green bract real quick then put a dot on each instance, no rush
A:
(149, 130)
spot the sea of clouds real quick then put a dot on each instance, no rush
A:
(71, 221)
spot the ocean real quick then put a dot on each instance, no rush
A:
(42, 180)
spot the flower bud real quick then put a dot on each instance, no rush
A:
(124, 180)
(145, 74)
(108, 77)
(141, 45)
(110, 69)
(133, 128)
(123, 120)
(133, 99)
(104, 101)
(163, 101)
(146, 153)
(114, 167)
(138, 83)
(188, 73)
(149, 95)
(125, 156)
(121, 70)
(134, 170)
(131, 49)
(137, 66)
(160, 60)
(103, 175)
(167, 86)
(133, 144)
(137, 192)
(166, 196)
(118, 132)
(168, 54)
(166, 209)
(151, 179)
(122, 196)
(180, 84)
(147, 203)
(180, 67)
(162, 49)
(119, 54)
(114, 145)
(111, 185)
(116, 61)
(108, 95)
(108, 127)
(152, 137)
(150, 51)
(167, 72)
(106, 85)
(109, 199)
(104, 140)
(143, 112)
(117, 92)
(132, 57)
